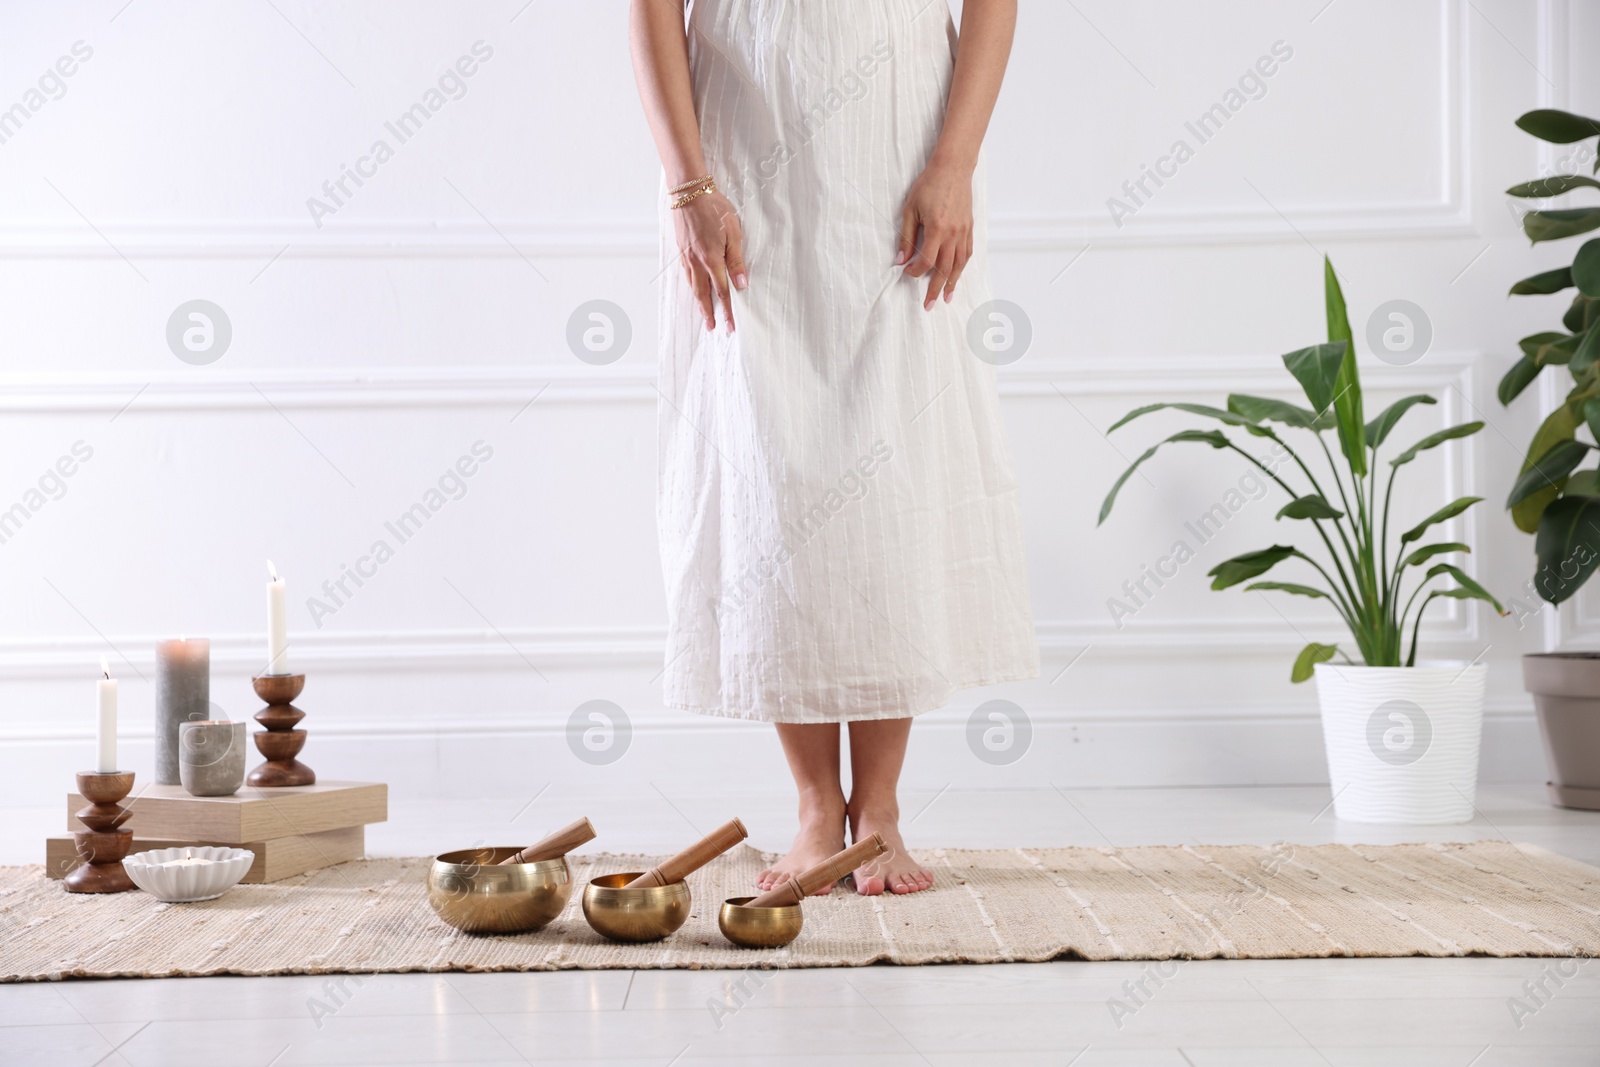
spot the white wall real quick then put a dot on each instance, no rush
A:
(371, 352)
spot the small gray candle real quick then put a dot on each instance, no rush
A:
(183, 694)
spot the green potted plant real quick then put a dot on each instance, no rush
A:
(1402, 737)
(1553, 499)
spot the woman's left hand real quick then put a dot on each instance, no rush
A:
(940, 206)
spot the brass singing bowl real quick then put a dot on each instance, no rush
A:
(759, 927)
(645, 914)
(470, 890)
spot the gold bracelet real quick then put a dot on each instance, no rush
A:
(686, 186)
(686, 197)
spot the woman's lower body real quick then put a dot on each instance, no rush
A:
(839, 526)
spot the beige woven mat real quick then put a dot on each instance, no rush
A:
(1489, 898)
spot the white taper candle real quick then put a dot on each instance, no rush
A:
(106, 726)
(277, 624)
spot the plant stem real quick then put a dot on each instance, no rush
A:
(1349, 611)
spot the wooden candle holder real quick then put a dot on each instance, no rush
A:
(102, 846)
(556, 845)
(835, 867)
(280, 742)
(694, 857)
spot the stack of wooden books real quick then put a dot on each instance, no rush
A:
(291, 830)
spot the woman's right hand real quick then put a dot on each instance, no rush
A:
(711, 246)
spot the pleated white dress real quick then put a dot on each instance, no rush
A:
(837, 508)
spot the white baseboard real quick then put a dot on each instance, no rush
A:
(503, 760)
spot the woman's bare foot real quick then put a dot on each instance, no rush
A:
(821, 835)
(895, 870)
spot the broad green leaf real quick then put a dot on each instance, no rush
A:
(1194, 409)
(1262, 408)
(1554, 186)
(1550, 348)
(1534, 342)
(1214, 438)
(1347, 404)
(1558, 127)
(1378, 429)
(1585, 353)
(1551, 281)
(1317, 370)
(1310, 506)
(1289, 587)
(1586, 268)
(1580, 315)
(1560, 425)
(1554, 225)
(1518, 378)
(1449, 511)
(1427, 552)
(1582, 483)
(1242, 568)
(1549, 470)
(1434, 440)
(1308, 658)
(1591, 415)
(1467, 583)
(1567, 547)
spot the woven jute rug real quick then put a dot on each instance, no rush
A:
(1485, 898)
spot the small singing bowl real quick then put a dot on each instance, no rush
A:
(759, 927)
(470, 890)
(645, 914)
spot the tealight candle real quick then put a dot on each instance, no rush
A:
(189, 860)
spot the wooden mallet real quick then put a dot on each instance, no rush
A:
(556, 845)
(796, 889)
(694, 857)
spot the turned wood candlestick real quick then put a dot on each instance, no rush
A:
(556, 845)
(280, 742)
(835, 867)
(102, 846)
(694, 857)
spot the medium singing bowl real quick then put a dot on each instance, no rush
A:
(759, 927)
(645, 914)
(472, 892)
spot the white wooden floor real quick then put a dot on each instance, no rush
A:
(1404, 1012)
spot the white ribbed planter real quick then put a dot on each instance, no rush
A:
(1402, 741)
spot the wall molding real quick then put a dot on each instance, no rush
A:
(1452, 375)
(661, 722)
(637, 648)
(1447, 215)
(567, 380)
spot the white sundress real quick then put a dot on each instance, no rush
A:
(837, 509)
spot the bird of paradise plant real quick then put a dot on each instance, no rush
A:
(1367, 583)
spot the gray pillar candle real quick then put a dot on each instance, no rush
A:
(183, 694)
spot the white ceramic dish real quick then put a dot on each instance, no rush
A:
(159, 873)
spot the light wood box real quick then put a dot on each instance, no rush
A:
(281, 857)
(252, 814)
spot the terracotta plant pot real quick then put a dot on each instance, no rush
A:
(1566, 692)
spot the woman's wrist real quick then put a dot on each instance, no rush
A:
(959, 161)
(685, 170)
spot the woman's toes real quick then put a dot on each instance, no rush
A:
(868, 885)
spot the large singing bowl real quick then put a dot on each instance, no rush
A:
(472, 892)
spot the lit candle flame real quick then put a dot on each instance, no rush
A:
(272, 571)
(105, 668)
